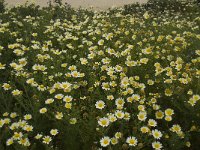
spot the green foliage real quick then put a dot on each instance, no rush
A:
(2, 6)
(136, 59)
(160, 6)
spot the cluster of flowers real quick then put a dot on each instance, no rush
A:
(133, 74)
(20, 131)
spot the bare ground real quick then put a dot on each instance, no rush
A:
(99, 4)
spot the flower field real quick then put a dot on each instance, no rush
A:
(77, 79)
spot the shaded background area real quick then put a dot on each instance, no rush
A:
(100, 4)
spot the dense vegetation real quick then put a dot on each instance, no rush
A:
(124, 78)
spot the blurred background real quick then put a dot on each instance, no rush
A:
(100, 4)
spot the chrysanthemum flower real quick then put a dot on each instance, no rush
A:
(132, 141)
(105, 141)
